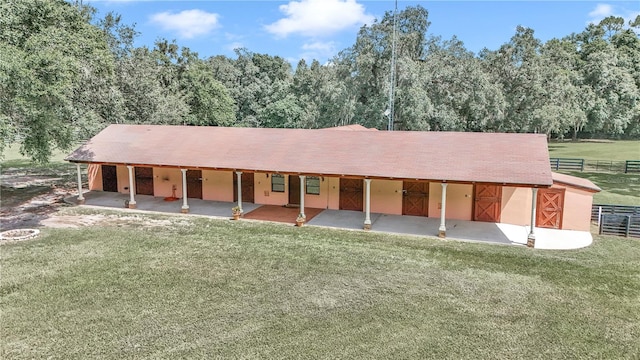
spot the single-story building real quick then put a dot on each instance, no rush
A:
(490, 177)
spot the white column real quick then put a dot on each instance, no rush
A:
(367, 204)
(531, 239)
(303, 185)
(185, 206)
(132, 188)
(442, 230)
(80, 196)
(239, 175)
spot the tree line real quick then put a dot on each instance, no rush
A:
(66, 74)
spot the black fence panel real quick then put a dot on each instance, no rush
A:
(620, 225)
(632, 166)
(598, 210)
(566, 164)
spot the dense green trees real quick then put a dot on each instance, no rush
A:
(63, 78)
(64, 75)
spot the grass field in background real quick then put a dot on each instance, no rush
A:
(205, 288)
(617, 189)
(607, 150)
(12, 154)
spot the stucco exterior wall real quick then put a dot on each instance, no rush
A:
(576, 214)
(94, 176)
(217, 185)
(164, 179)
(122, 173)
(263, 194)
(320, 201)
(516, 205)
(459, 201)
(386, 197)
(333, 186)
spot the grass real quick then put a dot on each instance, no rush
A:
(619, 189)
(204, 288)
(614, 150)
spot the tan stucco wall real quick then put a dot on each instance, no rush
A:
(386, 197)
(263, 194)
(459, 201)
(320, 201)
(94, 177)
(217, 185)
(333, 186)
(122, 173)
(516, 205)
(577, 208)
(164, 179)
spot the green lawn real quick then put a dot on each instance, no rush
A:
(614, 150)
(619, 189)
(204, 288)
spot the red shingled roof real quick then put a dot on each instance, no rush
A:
(518, 159)
(575, 181)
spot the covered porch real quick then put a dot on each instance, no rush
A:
(496, 233)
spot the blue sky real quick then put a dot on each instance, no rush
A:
(321, 28)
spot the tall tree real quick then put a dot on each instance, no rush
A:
(54, 53)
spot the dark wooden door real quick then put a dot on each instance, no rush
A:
(415, 198)
(247, 187)
(194, 184)
(488, 203)
(294, 190)
(351, 194)
(109, 178)
(549, 208)
(144, 181)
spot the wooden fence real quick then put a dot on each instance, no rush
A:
(632, 166)
(619, 220)
(566, 164)
(620, 225)
(615, 166)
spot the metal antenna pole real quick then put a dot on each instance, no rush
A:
(392, 80)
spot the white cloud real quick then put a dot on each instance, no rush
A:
(188, 23)
(234, 45)
(601, 11)
(327, 47)
(317, 18)
(318, 50)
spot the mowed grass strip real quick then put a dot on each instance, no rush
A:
(214, 288)
(593, 150)
(619, 189)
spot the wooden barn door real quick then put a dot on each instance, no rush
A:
(488, 203)
(247, 187)
(415, 198)
(294, 190)
(109, 178)
(194, 184)
(549, 207)
(144, 181)
(351, 194)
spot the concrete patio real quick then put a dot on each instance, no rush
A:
(398, 224)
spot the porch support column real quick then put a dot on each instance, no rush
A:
(531, 239)
(80, 196)
(132, 188)
(367, 204)
(185, 206)
(303, 185)
(442, 230)
(239, 176)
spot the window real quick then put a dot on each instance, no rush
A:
(277, 183)
(313, 185)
